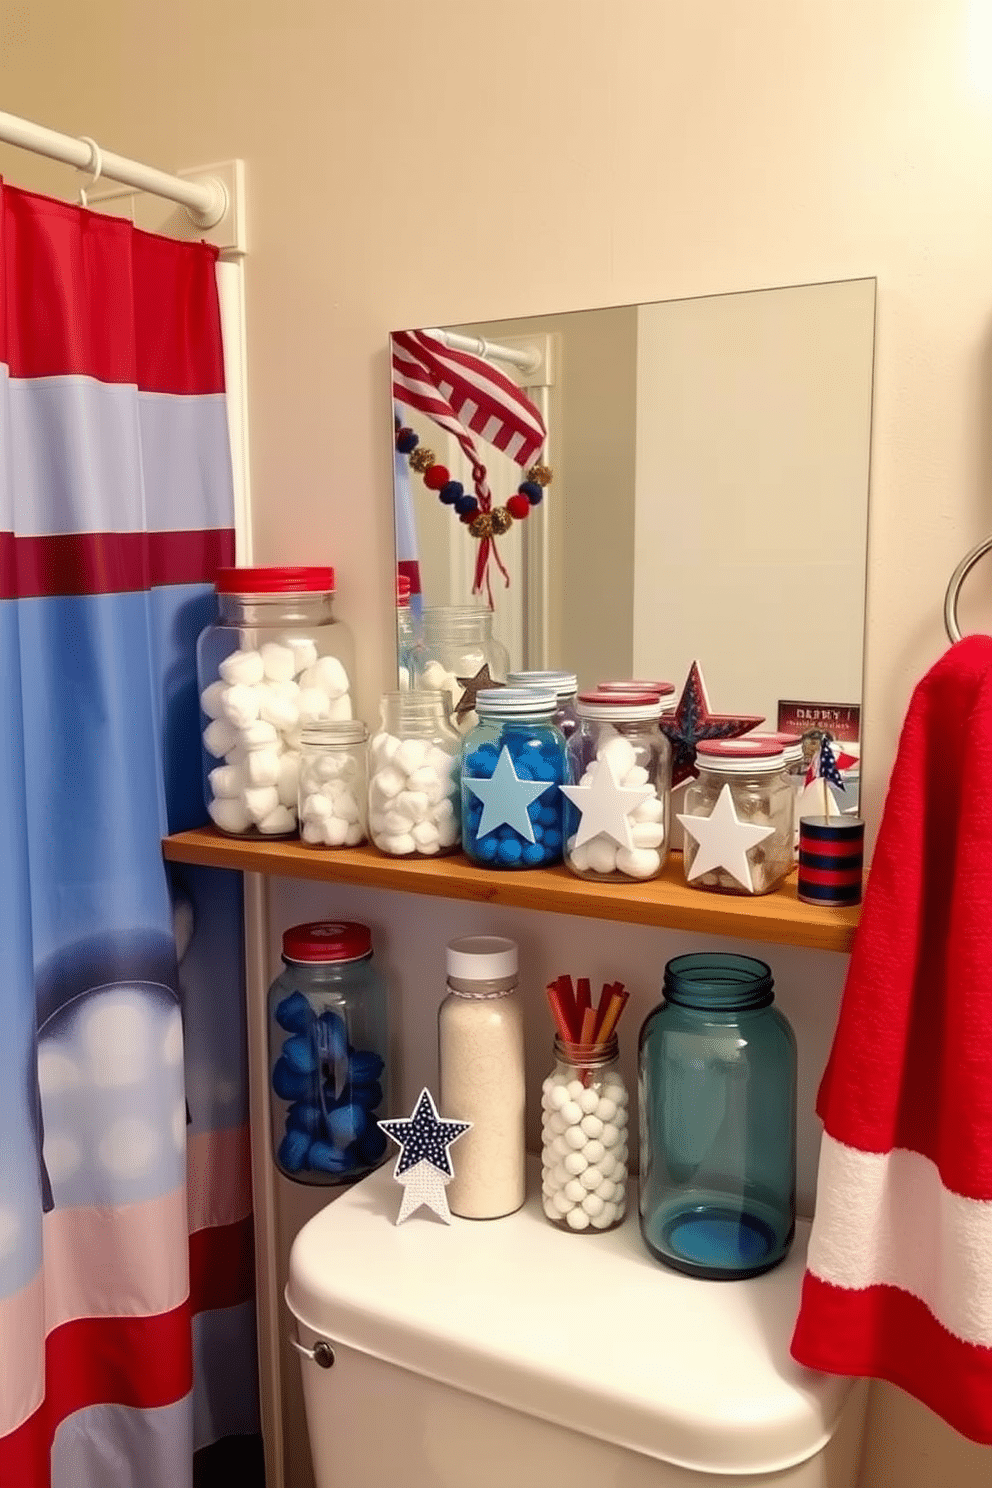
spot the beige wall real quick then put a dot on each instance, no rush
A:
(592, 155)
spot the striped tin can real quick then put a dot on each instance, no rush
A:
(831, 860)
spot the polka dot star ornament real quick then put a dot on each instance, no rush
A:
(423, 1168)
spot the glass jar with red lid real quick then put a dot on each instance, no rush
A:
(738, 817)
(328, 1054)
(795, 769)
(276, 660)
(617, 827)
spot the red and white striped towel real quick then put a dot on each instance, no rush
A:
(899, 1279)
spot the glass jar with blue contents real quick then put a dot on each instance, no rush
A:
(328, 1030)
(513, 763)
(717, 1099)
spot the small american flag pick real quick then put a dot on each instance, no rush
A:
(827, 765)
(423, 1168)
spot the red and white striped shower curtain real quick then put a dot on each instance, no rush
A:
(126, 1277)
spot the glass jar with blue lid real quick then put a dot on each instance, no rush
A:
(565, 686)
(717, 1107)
(328, 1050)
(512, 766)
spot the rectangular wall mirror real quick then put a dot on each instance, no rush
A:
(709, 499)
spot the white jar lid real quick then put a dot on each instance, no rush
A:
(563, 684)
(739, 756)
(619, 707)
(515, 702)
(481, 958)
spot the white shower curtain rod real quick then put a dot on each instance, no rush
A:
(206, 201)
(527, 360)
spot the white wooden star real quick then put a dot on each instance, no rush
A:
(606, 804)
(724, 841)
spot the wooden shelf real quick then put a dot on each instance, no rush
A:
(777, 918)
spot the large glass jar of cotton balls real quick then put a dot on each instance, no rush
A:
(328, 1042)
(276, 660)
(513, 764)
(617, 821)
(459, 655)
(414, 803)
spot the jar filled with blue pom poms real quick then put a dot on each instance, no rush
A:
(513, 763)
(328, 1052)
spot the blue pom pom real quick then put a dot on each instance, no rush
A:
(289, 1084)
(548, 815)
(450, 493)
(346, 1124)
(300, 1055)
(533, 854)
(533, 492)
(364, 1065)
(326, 1159)
(509, 850)
(294, 1013)
(293, 1151)
(407, 441)
(487, 847)
(465, 504)
(305, 1118)
(367, 1096)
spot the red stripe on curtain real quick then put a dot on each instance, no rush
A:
(110, 562)
(137, 1361)
(221, 1266)
(66, 307)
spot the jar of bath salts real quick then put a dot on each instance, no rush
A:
(481, 1065)
(276, 660)
(565, 686)
(791, 746)
(584, 1138)
(328, 1042)
(333, 784)
(458, 644)
(413, 777)
(745, 807)
(617, 823)
(513, 765)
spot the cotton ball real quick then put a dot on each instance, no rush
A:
(388, 782)
(637, 776)
(440, 761)
(289, 778)
(588, 777)
(397, 823)
(399, 844)
(242, 667)
(312, 831)
(638, 862)
(354, 835)
(211, 699)
(594, 1151)
(647, 834)
(605, 1217)
(602, 853)
(413, 804)
(621, 755)
(335, 831)
(427, 837)
(278, 662)
(328, 675)
(593, 1205)
(339, 708)
(448, 832)
(304, 654)
(403, 678)
(577, 1219)
(574, 1191)
(230, 814)
(382, 748)
(240, 705)
(435, 678)
(443, 810)
(377, 823)
(651, 810)
(226, 781)
(261, 802)
(315, 807)
(345, 806)
(275, 707)
(279, 821)
(220, 737)
(578, 856)
(262, 767)
(315, 705)
(258, 735)
(411, 755)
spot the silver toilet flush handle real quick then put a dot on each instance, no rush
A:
(322, 1353)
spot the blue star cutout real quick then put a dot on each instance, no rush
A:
(425, 1136)
(505, 798)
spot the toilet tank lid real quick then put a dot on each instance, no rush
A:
(586, 1331)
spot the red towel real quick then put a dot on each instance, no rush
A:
(899, 1279)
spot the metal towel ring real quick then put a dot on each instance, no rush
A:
(954, 587)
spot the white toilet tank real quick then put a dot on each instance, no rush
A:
(505, 1354)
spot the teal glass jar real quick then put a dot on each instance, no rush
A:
(512, 765)
(717, 1109)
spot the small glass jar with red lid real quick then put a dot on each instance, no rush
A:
(328, 1054)
(617, 820)
(738, 817)
(276, 660)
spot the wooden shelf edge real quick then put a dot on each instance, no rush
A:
(666, 902)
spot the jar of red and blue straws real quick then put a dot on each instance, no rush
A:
(512, 765)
